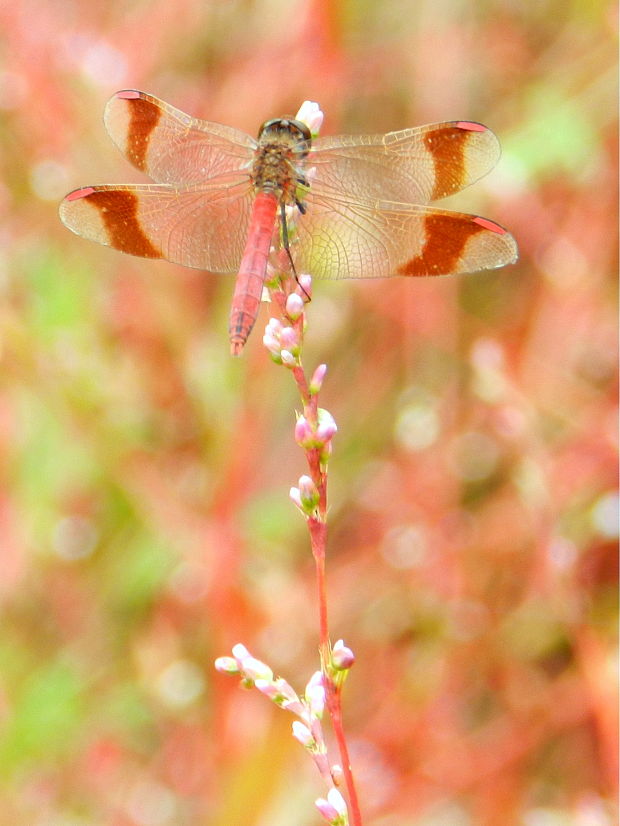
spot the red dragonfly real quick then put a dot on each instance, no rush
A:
(343, 207)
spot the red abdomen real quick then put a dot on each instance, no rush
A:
(252, 269)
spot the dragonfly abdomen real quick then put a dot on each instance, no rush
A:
(249, 286)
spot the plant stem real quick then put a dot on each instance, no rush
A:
(317, 526)
(318, 540)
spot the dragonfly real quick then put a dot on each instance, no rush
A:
(348, 206)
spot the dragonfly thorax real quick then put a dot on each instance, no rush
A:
(283, 144)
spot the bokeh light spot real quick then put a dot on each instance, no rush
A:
(74, 537)
(404, 546)
(180, 683)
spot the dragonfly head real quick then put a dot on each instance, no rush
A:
(278, 128)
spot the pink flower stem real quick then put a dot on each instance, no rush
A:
(317, 525)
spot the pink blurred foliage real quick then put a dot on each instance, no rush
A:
(472, 571)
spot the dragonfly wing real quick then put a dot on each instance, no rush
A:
(201, 226)
(410, 166)
(340, 239)
(170, 146)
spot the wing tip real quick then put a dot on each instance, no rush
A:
(83, 192)
(127, 94)
(508, 239)
(471, 126)
(485, 223)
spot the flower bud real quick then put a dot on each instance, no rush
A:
(302, 733)
(304, 435)
(288, 358)
(342, 657)
(310, 113)
(289, 339)
(316, 382)
(271, 339)
(315, 695)
(295, 498)
(328, 812)
(254, 669)
(308, 493)
(251, 668)
(326, 426)
(294, 306)
(240, 652)
(281, 693)
(226, 665)
(334, 809)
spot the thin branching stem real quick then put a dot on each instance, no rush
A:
(317, 526)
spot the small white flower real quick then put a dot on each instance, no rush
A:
(315, 695)
(294, 306)
(334, 809)
(310, 113)
(302, 733)
(254, 669)
(227, 665)
(342, 656)
(240, 652)
(337, 801)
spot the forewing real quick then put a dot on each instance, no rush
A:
(412, 166)
(340, 239)
(201, 226)
(170, 146)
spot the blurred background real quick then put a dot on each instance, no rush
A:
(145, 525)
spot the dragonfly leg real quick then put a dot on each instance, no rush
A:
(285, 241)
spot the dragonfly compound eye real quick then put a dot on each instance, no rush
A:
(286, 125)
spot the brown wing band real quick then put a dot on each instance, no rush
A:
(144, 119)
(443, 247)
(119, 213)
(447, 144)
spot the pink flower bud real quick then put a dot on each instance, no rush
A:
(271, 339)
(334, 809)
(326, 427)
(328, 812)
(294, 306)
(288, 358)
(308, 493)
(337, 801)
(304, 435)
(295, 498)
(310, 113)
(286, 690)
(289, 339)
(316, 382)
(281, 693)
(227, 665)
(240, 652)
(267, 688)
(251, 668)
(272, 344)
(302, 733)
(294, 706)
(342, 657)
(254, 670)
(315, 698)
(315, 680)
